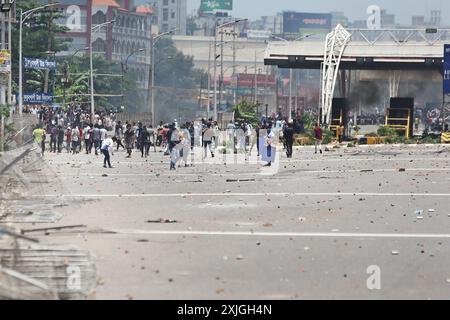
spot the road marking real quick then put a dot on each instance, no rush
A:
(324, 159)
(282, 234)
(224, 194)
(165, 174)
(200, 174)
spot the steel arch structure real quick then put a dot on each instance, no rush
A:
(335, 44)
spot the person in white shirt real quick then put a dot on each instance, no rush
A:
(87, 139)
(107, 150)
(208, 135)
(231, 129)
(103, 134)
(186, 144)
(269, 144)
(75, 139)
(216, 134)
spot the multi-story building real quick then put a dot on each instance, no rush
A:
(129, 36)
(435, 18)
(418, 21)
(338, 18)
(172, 14)
(124, 39)
(387, 20)
(273, 23)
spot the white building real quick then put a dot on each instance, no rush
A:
(172, 14)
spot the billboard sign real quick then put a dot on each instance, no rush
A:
(5, 61)
(39, 64)
(447, 69)
(37, 98)
(259, 34)
(216, 5)
(300, 23)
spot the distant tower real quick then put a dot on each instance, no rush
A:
(435, 19)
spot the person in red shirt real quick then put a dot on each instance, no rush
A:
(68, 134)
(318, 137)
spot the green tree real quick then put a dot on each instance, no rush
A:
(173, 68)
(107, 81)
(177, 83)
(9, 127)
(246, 112)
(191, 25)
(40, 35)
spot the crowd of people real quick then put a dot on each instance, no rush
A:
(72, 131)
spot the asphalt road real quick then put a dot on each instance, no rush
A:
(309, 231)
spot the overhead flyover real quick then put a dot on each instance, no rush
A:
(359, 49)
(396, 49)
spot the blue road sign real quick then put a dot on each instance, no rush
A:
(447, 69)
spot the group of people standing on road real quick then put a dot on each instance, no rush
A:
(176, 141)
(73, 140)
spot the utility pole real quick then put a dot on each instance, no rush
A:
(215, 71)
(234, 62)
(265, 85)
(216, 27)
(256, 82)
(221, 67)
(153, 41)
(2, 86)
(91, 64)
(49, 46)
(296, 92)
(209, 84)
(23, 16)
(9, 100)
(443, 112)
(200, 97)
(124, 68)
(150, 82)
(3, 47)
(122, 85)
(290, 95)
(152, 79)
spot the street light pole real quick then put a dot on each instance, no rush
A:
(215, 57)
(256, 81)
(152, 81)
(91, 66)
(209, 84)
(290, 70)
(290, 94)
(215, 73)
(10, 50)
(221, 69)
(234, 64)
(20, 64)
(23, 17)
(153, 42)
(91, 75)
(125, 69)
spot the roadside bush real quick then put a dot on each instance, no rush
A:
(429, 140)
(387, 132)
(328, 136)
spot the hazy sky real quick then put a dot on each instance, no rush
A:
(354, 9)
